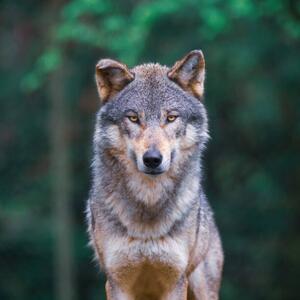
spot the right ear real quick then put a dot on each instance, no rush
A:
(111, 77)
(189, 73)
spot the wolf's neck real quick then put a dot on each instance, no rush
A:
(149, 207)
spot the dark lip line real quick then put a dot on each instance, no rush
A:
(154, 173)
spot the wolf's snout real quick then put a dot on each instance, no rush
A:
(152, 158)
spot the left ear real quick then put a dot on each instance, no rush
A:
(111, 77)
(189, 73)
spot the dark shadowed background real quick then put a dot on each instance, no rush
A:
(48, 103)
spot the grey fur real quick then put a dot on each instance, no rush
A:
(178, 211)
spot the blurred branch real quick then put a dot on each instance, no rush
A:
(61, 186)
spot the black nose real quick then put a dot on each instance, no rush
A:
(152, 158)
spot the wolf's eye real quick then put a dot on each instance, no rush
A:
(133, 119)
(171, 118)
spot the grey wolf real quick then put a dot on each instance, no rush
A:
(150, 224)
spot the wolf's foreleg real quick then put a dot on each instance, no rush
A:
(204, 281)
(113, 292)
(179, 292)
(198, 288)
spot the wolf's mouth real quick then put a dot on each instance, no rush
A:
(154, 172)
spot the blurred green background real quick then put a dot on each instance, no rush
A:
(48, 103)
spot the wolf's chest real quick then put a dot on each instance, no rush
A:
(124, 256)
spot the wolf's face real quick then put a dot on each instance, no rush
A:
(151, 118)
(151, 142)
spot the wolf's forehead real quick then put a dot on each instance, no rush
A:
(150, 93)
(150, 72)
(152, 87)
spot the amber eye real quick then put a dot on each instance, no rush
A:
(171, 118)
(133, 119)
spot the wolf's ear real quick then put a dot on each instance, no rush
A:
(189, 73)
(111, 77)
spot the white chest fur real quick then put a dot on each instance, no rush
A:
(165, 249)
(124, 257)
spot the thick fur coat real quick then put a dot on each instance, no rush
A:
(150, 224)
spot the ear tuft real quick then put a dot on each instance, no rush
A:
(189, 73)
(111, 77)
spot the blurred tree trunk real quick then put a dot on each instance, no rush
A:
(61, 187)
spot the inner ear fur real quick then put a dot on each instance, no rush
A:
(189, 73)
(111, 77)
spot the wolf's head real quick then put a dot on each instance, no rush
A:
(152, 118)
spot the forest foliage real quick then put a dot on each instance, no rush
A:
(251, 164)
